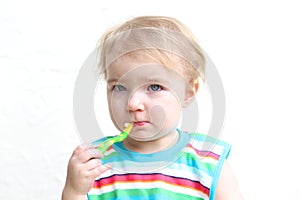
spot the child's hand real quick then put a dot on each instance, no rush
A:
(84, 166)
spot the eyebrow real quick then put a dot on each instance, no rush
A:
(112, 80)
(157, 79)
(148, 79)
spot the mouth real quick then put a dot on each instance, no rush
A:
(140, 123)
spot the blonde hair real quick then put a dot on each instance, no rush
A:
(157, 37)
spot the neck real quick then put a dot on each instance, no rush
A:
(146, 147)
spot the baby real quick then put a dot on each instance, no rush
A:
(152, 66)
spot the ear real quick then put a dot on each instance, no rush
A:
(190, 93)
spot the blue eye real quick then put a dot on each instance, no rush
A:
(118, 88)
(155, 88)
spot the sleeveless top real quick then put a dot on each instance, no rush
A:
(189, 170)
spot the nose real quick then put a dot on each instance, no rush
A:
(136, 102)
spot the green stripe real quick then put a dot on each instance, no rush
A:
(144, 194)
(193, 160)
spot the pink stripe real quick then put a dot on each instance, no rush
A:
(151, 178)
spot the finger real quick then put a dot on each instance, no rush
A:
(92, 164)
(95, 153)
(97, 171)
(81, 148)
(89, 154)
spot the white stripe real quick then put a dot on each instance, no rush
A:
(148, 185)
(208, 159)
(207, 146)
(176, 170)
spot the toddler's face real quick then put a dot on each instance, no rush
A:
(146, 93)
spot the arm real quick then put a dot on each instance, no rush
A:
(227, 188)
(84, 166)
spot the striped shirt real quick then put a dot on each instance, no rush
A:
(188, 170)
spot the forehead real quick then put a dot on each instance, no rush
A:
(156, 61)
(138, 71)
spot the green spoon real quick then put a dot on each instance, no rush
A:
(119, 138)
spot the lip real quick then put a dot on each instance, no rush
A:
(140, 123)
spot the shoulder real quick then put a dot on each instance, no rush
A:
(227, 187)
(224, 183)
(210, 145)
(214, 152)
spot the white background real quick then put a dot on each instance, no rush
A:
(254, 44)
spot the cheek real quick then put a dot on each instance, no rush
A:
(174, 110)
(170, 107)
(116, 109)
(116, 101)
